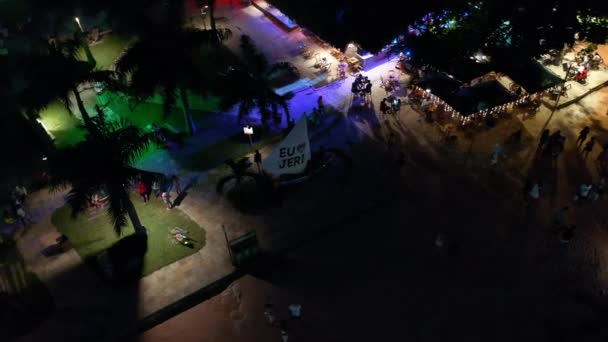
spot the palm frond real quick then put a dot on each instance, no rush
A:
(169, 99)
(78, 197)
(245, 107)
(118, 196)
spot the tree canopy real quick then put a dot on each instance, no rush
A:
(373, 25)
(513, 30)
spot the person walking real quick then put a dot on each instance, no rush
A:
(544, 139)
(166, 196)
(176, 185)
(156, 188)
(583, 191)
(321, 105)
(269, 313)
(23, 217)
(368, 91)
(284, 333)
(497, 154)
(582, 136)
(535, 191)
(295, 310)
(257, 159)
(21, 192)
(588, 147)
(142, 189)
(555, 137)
(383, 107)
(560, 217)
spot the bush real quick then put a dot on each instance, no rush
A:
(591, 48)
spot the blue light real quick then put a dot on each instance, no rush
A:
(408, 53)
(394, 41)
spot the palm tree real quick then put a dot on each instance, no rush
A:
(102, 162)
(254, 86)
(240, 173)
(167, 59)
(58, 74)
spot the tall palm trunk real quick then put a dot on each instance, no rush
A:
(83, 111)
(190, 126)
(45, 138)
(212, 19)
(137, 226)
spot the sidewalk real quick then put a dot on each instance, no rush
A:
(78, 291)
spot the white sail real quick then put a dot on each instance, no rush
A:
(292, 154)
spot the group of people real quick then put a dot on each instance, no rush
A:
(581, 73)
(160, 188)
(552, 144)
(390, 105)
(586, 146)
(588, 60)
(362, 86)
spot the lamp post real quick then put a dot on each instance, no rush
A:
(248, 130)
(87, 50)
(45, 128)
(204, 15)
(78, 22)
(559, 96)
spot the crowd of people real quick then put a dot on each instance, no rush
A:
(390, 105)
(552, 145)
(160, 187)
(585, 61)
(362, 87)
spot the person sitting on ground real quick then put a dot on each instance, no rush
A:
(582, 76)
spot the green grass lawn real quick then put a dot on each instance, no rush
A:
(66, 129)
(91, 233)
(144, 114)
(107, 50)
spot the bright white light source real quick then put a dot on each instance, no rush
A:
(248, 130)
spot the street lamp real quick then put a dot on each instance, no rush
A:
(204, 15)
(78, 22)
(248, 130)
(45, 128)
